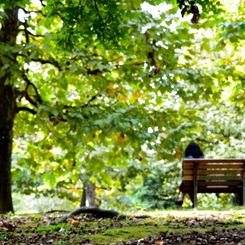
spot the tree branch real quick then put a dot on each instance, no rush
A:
(23, 108)
(32, 11)
(26, 31)
(93, 98)
(29, 83)
(12, 59)
(34, 35)
(23, 93)
(94, 72)
(53, 62)
(41, 1)
(96, 7)
(208, 141)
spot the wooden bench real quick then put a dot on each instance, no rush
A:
(213, 176)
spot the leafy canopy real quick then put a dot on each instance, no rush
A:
(105, 89)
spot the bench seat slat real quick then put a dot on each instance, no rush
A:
(212, 171)
(214, 183)
(203, 160)
(213, 166)
(216, 189)
(208, 178)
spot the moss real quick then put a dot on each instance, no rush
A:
(125, 234)
(108, 231)
(153, 226)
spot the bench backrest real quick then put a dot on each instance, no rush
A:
(213, 175)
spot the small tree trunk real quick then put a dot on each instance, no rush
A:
(90, 194)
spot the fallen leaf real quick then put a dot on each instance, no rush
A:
(9, 226)
(73, 222)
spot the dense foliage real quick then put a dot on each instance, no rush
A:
(106, 92)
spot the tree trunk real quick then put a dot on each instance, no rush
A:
(7, 112)
(89, 196)
(83, 200)
(8, 34)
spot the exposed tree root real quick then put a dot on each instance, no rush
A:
(57, 211)
(97, 212)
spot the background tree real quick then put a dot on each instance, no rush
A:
(75, 85)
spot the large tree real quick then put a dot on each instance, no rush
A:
(84, 85)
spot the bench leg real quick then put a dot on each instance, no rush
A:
(195, 186)
(243, 196)
(194, 200)
(243, 186)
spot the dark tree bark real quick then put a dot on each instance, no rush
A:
(83, 200)
(7, 112)
(8, 34)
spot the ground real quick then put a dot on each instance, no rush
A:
(159, 227)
